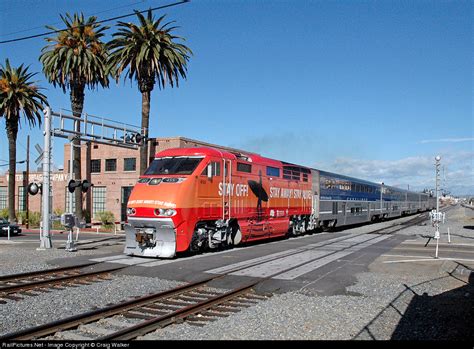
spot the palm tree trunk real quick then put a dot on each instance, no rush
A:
(145, 126)
(12, 132)
(77, 104)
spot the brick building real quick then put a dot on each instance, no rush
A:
(113, 171)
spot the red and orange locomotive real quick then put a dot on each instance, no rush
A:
(191, 199)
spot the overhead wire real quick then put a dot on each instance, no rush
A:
(94, 14)
(98, 22)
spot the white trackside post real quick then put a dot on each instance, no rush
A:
(437, 219)
(45, 237)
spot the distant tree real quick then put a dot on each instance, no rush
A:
(76, 58)
(152, 55)
(18, 95)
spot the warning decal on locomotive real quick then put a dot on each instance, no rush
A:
(240, 189)
(285, 193)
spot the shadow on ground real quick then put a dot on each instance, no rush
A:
(446, 316)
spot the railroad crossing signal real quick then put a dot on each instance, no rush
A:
(84, 185)
(134, 138)
(92, 129)
(34, 188)
(40, 151)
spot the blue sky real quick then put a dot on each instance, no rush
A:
(374, 89)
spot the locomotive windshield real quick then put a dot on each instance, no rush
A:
(173, 166)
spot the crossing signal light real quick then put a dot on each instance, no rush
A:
(35, 188)
(136, 138)
(85, 185)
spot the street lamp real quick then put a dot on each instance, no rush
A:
(437, 216)
(381, 201)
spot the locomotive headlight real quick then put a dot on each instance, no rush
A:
(131, 211)
(169, 212)
(164, 212)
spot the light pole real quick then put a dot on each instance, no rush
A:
(381, 202)
(437, 216)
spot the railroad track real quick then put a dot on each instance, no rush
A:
(195, 303)
(404, 225)
(15, 287)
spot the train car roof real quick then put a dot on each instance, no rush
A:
(352, 179)
(362, 181)
(194, 151)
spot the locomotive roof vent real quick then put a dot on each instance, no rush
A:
(241, 156)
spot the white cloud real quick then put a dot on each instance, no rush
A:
(447, 140)
(456, 171)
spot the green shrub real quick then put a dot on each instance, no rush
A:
(86, 215)
(4, 213)
(107, 219)
(56, 224)
(33, 217)
(21, 217)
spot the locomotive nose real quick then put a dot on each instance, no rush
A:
(152, 217)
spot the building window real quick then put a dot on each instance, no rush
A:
(3, 198)
(244, 167)
(95, 166)
(21, 199)
(98, 199)
(273, 171)
(68, 197)
(110, 165)
(130, 164)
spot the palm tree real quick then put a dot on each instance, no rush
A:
(151, 54)
(76, 58)
(18, 94)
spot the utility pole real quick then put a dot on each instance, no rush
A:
(27, 206)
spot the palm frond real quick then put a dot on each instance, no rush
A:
(148, 52)
(19, 95)
(76, 54)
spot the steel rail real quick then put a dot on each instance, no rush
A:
(84, 318)
(42, 283)
(164, 320)
(38, 273)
